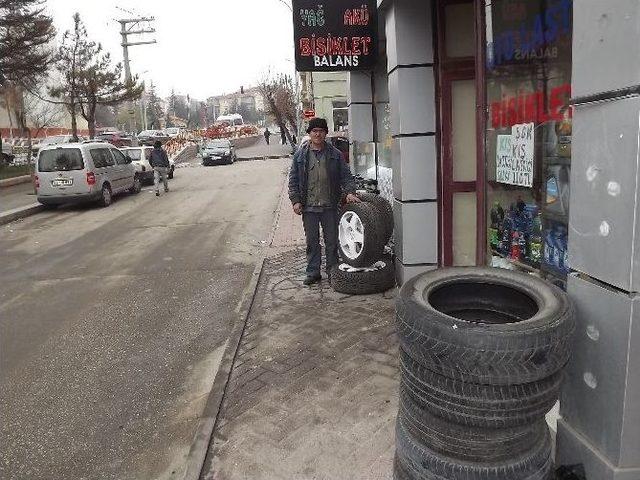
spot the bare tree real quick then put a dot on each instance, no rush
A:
(279, 98)
(40, 114)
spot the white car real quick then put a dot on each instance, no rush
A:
(140, 158)
(83, 172)
(173, 131)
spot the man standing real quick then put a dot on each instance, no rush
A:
(160, 162)
(318, 179)
(283, 136)
(267, 134)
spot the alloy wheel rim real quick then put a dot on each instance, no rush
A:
(351, 235)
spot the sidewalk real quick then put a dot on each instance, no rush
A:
(16, 196)
(313, 393)
(17, 201)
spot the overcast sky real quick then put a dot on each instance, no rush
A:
(204, 48)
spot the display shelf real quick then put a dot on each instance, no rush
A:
(555, 160)
(517, 263)
(555, 271)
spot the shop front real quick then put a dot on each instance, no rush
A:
(475, 122)
(494, 119)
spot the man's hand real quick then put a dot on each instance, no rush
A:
(352, 198)
(297, 207)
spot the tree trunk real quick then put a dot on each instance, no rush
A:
(74, 121)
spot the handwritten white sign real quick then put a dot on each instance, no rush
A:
(514, 156)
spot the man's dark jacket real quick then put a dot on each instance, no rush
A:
(159, 158)
(341, 181)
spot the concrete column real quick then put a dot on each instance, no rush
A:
(409, 32)
(359, 102)
(600, 406)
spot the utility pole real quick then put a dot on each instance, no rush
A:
(131, 26)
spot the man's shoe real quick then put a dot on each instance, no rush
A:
(157, 194)
(311, 279)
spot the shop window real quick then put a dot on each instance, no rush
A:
(528, 136)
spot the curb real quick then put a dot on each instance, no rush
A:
(10, 182)
(262, 157)
(20, 212)
(197, 456)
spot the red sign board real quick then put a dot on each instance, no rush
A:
(309, 113)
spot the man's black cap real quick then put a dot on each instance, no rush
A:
(317, 123)
(157, 144)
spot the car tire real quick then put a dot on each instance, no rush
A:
(468, 444)
(475, 405)
(170, 176)
(384, 209)
(359, 238)
(106, 197)
(485, 325)
(421, 462)
(377, 278)
(137, 185)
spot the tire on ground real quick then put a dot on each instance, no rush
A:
(464, 443)
(485, 325)
(371, 248)
(384, 209)
(378, 278)
(421, 462)
(476, 405)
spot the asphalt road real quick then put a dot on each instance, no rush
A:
(113, 322)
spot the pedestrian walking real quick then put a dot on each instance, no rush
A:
(283, 136)
(318, 180)
(160, 162)
(267, 134)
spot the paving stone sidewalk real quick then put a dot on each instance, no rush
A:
(314, 389)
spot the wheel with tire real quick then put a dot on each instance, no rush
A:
(468, 444)
(359, 237)
(170, 175)
(385, 210)
(106, 197)
(485, 325)
(377, 278)
(475, 405)
(137, 185)
(418, 461)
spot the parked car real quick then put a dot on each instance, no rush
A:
(83, 172)
(215, 152)
(119, 139)
(59, 139)
(140, 157)
(149, 137)
(172, 131)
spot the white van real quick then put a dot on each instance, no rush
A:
(83, 172)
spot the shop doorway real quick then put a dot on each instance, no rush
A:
(461, 151)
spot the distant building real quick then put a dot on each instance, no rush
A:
(242, 102)
(326, 94)
(60, 121)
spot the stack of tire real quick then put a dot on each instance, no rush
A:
(364, 229)
(482, 353)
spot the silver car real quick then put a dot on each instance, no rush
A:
(83, 172)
